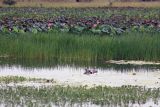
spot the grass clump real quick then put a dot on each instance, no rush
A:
(17, 79)
(14, 79)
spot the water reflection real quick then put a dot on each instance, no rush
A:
(76, 64)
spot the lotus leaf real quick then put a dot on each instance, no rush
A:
(34, 30)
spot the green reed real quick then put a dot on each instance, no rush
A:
(85, 47)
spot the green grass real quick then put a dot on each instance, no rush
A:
(70, 47)
(59, 95)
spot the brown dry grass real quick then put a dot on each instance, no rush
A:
(95, 3)
(136, 4)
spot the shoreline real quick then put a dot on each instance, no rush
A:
(132, 62)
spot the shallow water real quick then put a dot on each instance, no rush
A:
(74, 76)
(148, 104)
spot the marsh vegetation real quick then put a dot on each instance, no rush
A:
(43, 54)
(62, 96)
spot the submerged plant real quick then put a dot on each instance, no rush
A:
(117, 96)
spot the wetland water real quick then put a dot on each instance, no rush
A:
(73, 75)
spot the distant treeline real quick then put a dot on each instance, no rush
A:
(55, 0)
(78, 0)
(136, 0)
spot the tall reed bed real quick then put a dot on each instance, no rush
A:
(71, 47)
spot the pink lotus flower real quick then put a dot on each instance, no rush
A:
(94, 26)
(98, 22)
(50, 25)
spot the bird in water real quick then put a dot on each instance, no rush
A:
(90, 71)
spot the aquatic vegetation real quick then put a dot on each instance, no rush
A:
(49, 36)
(118, 96)
(13, 79)
(114, 25)
(110, 21)
(17, 79)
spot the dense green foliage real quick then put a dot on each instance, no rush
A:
(86, 47)
(114, 25)
(110, 21)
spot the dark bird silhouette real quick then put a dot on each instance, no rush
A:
(89, 71)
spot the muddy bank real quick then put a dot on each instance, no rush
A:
(132, 62)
